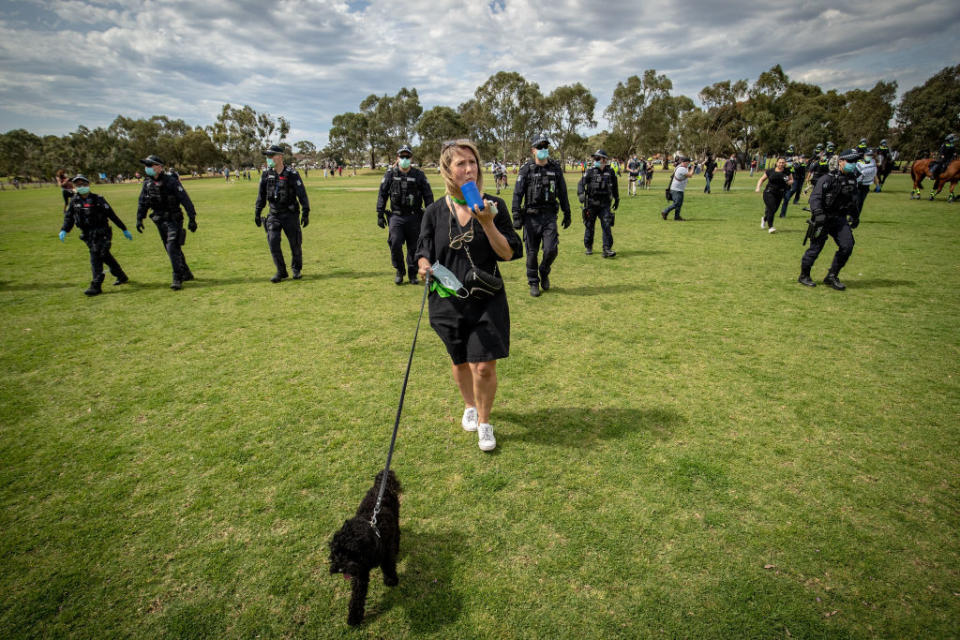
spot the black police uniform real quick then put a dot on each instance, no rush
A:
(165, 195)
(799, 175)
(596, 190)
(540, 191)
(92, 215)
(818, 167)
(286, 195)
(834, 197)
(944, 158)
(409, 193)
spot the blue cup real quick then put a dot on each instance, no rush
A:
(472, 195)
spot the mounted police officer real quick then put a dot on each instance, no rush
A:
(597, 189)
(92, 215)
(834, 199)
(163, 193)
(948, 151)
(540, 192)
(282, 188)
(409, 193)
(862, 146)
(819, 164)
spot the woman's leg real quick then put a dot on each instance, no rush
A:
(484, 376)
(463, 376)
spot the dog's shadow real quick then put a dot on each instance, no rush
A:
(427, 587)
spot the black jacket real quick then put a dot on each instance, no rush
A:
(540, 189)
(408, 192)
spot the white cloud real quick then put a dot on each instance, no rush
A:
(65, 62)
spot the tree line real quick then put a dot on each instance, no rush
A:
(645, 117)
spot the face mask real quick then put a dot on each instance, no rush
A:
(83, 190)
(150, 171)
(849, 167)
(404, 163)
(543, 154)
(271, 163)
(597, 164)
(445, 283)
(868, 158)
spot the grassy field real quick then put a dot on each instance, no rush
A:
(690, 444)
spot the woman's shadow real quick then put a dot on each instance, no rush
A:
(427, 589)
(579, 427)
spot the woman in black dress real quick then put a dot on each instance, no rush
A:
(476, 327)
(778, 181)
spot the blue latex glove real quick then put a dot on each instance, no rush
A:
(127, 234)
(63, 235)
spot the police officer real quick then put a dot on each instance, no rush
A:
(596, 190)
(819, 164)
(163, 193)
(409, 193)
(282, 187)
(883, 149)
(799, 175)
(834, 198)
(540, 191)
(92, 215)
(862, 147)
(944, 158)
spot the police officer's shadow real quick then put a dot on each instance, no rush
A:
(428, 590)
(579, 427)
(597, 289)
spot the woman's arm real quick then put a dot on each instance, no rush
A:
(760, 181)
(498, 242)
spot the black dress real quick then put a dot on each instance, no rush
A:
(477, 328)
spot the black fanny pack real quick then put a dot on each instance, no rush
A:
(479, 281)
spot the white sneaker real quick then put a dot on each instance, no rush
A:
(772, 230)
(469, 420)
(763, 223)
(486, 440)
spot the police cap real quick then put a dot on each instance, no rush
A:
(883, 142)
(274, 150)
(405, 149)
(863, 141)
(819, 147)
(830, 145)
(601, 154)
(539, 141)
(152, 160)
(850, 155)
(790, 149)
(79, 178)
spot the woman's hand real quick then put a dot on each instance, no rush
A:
(486, 215)
(423, 266)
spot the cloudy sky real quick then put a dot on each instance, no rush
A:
(83, 62)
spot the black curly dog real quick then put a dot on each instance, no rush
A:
(357, 548)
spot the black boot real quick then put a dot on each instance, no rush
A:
(120, 279)
(609, 253)
(94, 289)
(832, 281)
(277, 277)
(176, 285)
(544, 281)
(296, 274)
(534, 290)
(589, 251)
(806, 279)
(398, 278)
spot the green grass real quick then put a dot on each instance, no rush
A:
(690, 444)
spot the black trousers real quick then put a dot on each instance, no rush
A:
(289, 225)
(839, 230)
(99, 242)
(540, 228)
(171, 229)
(728, 181)
(771, 202)
(404, 230)
(606, 226)
(797, 189)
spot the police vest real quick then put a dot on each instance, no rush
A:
(840, 195)
(404, 192)
(88, 213)
(280, 190)
(599, 187)
(541, 192)
(160, 197)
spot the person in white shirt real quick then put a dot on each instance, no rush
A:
(677, 187)
(867, 168)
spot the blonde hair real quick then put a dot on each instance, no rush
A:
(446, 159)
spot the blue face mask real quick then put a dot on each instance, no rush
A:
(150, 171)
(849, 167)
(404, 163)
(271, 163)
(543, 154)
(83, 190)
(597, 164)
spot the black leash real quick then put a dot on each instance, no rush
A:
(396, 422)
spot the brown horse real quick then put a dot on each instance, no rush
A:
(921, 170)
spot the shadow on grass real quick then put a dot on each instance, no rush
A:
(34, 286)
(881, 283)
(598, 289)
(578, 427)
(427, 589)
(626, 253)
